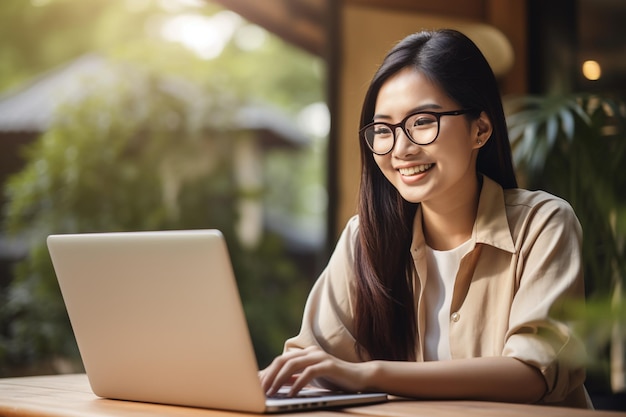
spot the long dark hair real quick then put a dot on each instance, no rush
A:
(385, 319)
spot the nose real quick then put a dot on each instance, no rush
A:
(403, 145)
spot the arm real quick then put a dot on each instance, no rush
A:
(550, 278)
(489, 378)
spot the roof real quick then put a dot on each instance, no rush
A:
(300, 22)
(272, 126)
(32, 106)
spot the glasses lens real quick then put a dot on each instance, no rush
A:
(379, 137)
(422, 127)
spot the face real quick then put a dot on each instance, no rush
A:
(439, 172)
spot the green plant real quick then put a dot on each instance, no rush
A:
(575, 146)
(134, 155)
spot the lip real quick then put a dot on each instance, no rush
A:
(415, 172)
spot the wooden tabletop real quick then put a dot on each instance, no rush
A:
(71, 396)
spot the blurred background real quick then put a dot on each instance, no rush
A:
(120, 115)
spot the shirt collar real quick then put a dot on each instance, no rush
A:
(491, 226)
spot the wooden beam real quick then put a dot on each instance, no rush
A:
(299, 22)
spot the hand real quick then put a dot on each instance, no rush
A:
(301, 367)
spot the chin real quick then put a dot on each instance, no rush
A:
(414, 198)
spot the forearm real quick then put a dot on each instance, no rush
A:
(493, 378)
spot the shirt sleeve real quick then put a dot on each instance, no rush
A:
(328, 314)
(550, 275)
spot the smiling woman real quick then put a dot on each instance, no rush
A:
(443, 286)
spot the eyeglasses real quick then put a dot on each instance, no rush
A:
(421, 127)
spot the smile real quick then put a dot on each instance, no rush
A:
(417, 169)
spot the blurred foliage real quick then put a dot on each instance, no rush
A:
(36, 35)
(146, 153)
(109, 164)
(574, 146)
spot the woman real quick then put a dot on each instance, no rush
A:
(450, 282)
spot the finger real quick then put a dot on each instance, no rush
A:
(298, 371)
(291, 367)
(269, 374)
(309, 374)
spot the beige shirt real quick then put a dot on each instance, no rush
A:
(524, 262)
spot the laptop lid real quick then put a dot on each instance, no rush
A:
(158, 318)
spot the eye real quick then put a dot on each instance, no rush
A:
(382, 130)
(424, 120)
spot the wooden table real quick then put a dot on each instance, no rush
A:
(71, 396)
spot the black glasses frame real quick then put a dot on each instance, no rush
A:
(402, 125)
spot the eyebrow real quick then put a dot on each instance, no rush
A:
(429, 106)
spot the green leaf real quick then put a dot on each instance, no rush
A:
(567, 123)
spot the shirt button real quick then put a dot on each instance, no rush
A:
(455, 317)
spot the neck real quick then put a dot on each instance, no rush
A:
(448, 222)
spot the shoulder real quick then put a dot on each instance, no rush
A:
(532, 212)
(523, 197)
(520, 205)
(526, 201)
(509, 217)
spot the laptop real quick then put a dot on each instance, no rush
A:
(158, 318)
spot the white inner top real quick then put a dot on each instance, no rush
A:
(442, 269)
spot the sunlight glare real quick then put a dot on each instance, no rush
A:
(250, 37)
(314, 119)
(206, 36)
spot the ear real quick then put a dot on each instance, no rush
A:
(481, 130)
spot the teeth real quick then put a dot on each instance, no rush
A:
(415, 169)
